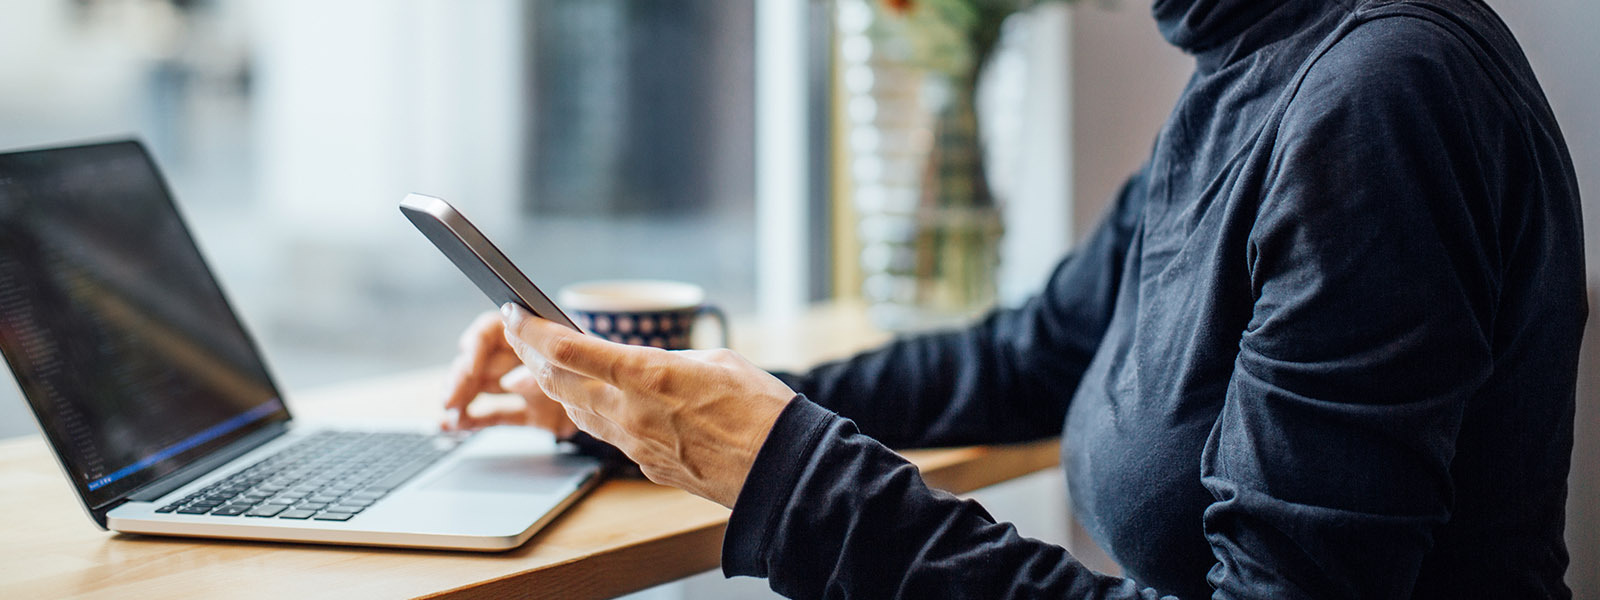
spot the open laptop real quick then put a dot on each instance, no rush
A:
(157, 404)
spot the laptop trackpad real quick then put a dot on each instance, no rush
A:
(516, 474)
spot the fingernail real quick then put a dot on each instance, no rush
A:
(452, 418)
(509, 311)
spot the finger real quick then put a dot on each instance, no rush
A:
(572, 389)
(599, 427)
(552, 417)
(498, 366)
(481, 334)
(467, 373)
(499, 417)
(520, 380)
(543, 412)
(466, 382)
(464, 385)
(564, 347)
(566, 428)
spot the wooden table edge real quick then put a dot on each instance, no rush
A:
(655, 561)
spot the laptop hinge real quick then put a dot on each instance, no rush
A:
(210, 462)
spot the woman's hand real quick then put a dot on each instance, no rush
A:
(692, 419)
(487, 365)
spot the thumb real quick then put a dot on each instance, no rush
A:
(538, 341)
(519, 325)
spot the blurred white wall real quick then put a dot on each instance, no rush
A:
(362, 101)
(1026, 100)
(67, 78)
(355, 104)
(1125, 79)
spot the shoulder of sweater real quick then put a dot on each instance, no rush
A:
(1395, 62)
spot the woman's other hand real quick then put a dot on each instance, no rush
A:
(487, 365)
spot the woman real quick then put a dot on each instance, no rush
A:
(1324, 346)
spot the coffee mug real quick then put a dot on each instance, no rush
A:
(641, 312)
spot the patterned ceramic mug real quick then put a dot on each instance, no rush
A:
(641, 312)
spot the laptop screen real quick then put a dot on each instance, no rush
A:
(115, 329)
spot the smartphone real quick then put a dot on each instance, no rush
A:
(478, 258)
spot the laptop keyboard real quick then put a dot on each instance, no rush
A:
(329, 476)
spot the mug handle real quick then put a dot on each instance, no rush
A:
(711, 310)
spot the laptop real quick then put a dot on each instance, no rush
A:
(156, 402)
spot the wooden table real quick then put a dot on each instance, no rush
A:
(625, 536)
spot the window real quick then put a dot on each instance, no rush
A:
(590, 138)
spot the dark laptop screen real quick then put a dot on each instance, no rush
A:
(114, 327)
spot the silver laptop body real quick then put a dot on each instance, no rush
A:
(158, 407)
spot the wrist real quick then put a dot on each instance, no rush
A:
(746, 452)
(788, 449)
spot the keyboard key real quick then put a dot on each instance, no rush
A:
(312, 505)
(394, 481)
(194, 510)
(168, 508)
(344, 509)
(230, 511)
(334, 516)
(270, 510)
(296, 514)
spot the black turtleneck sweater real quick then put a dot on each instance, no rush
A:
(1323, 346)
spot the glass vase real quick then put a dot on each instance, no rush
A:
(928, 223)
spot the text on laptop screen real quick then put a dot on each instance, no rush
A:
(113, 325)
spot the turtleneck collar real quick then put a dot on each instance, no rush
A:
(1216, 30)
(1198, 25)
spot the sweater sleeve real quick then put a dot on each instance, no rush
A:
(829, 513)
(1008, 378)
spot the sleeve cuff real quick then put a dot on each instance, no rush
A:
(795, 381)
(770, 485)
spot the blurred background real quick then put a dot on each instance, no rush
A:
(687, 140)
(593, 139)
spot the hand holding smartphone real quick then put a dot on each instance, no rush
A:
(494, 274)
